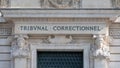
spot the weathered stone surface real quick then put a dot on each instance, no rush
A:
(101, 47)
(116, 3)
(4, 3)
(60, 4)
(20, 47)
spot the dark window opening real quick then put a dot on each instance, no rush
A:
(59, 59)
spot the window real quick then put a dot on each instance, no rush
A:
(81, 49)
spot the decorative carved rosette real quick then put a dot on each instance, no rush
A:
(20, 47)
(101, 47)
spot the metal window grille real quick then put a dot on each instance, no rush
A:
(59, 59)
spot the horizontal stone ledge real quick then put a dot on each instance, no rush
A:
(115, 57)
(58, 13)
(4, 49)
(5, 57)
(5, 64)
(38, 8)
(115, 50)
(115, 42)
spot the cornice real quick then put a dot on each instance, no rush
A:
(76, 13)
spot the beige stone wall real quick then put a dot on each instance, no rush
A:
(33, 16)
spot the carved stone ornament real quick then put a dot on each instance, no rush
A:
(101, 48)
(59, 39)
(20, 47)
(60, 3)
(4, 3)
(116, 3)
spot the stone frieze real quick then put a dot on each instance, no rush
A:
(60, 4)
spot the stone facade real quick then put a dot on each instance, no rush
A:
(20, 47)
(59, 25)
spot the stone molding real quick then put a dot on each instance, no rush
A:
(101, 47)
(33, 13)
(61, 20)
(20, 47)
